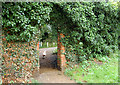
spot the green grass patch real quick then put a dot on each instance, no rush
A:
(96, 72)
(32, 80)
(54, 51)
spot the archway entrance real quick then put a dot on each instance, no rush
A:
(52, 60)
(49, 61)
(52, 66)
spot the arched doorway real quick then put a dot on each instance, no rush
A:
(58, 61)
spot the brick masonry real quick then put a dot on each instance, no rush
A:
(61, 61)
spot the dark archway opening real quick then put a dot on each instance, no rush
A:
(48, 47)
(49, 62)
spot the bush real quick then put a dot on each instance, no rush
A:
(23, 20)
(90, 29)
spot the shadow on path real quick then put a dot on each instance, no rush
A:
(50, 61)
(48, 69)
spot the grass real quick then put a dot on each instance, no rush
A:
(33, 80)
(91, 72)
(55, 51)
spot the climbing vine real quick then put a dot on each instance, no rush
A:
(22, 20)
(90, 28)
(22, 24)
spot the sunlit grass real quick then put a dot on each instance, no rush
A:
(55, 51)
(94, 73)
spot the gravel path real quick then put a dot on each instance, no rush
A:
(48, 69)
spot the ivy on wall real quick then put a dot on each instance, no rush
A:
(21, 20)
(90, 28)
(20, 61)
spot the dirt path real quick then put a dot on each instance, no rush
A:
(48, 69)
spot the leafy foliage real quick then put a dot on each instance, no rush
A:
(96, 71)
(22, 20)
(48, 34)
(20, 60)
(119, 24)
(90, 29)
